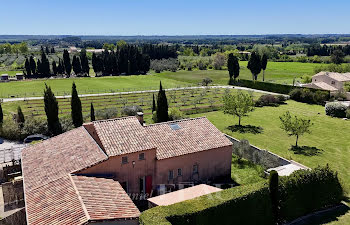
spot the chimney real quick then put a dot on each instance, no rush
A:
(139, 116)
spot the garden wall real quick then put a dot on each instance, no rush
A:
(260, 156)
(13, 194)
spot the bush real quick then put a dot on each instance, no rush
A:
(206, 81)
(306, 79)
(336, 109)
(10, 130)
(308, 190)
(131, 110)
(310, 96)
(175, 114)
(348, 113)
(159, 65)
(270, 100)
(66, 123)
(107, 113)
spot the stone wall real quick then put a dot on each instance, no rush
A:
(259, 156)
(18, 218)
(13, 194)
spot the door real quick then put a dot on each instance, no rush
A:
(148, 184)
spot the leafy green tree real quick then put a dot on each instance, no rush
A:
(162, 106)
(51, 110)
(20, 117)
(264, 64)
(295, 126)
(1, 115)
(76, 113)
(238, 104)
(67, 62)
(254, 65)
(274, 195)
(92, 112)
(337, 56)
(23, 47)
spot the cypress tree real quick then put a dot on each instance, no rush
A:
(84, 62)
(274, 195)
(77, 115)
(235, 68)
(92, 112)
(230, 65)
(1, 115)
(153, 104)
(66, 62)
(20, 117)
(54, 68)
(32, 65)
(51, 110)
(162, 105)
(27, 67)
(76, 65)
(264, 64)
(45, 65)
(254, 65)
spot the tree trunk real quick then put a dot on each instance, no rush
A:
(263, 75)
(296, 142)
(239, 121)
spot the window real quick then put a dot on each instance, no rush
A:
(333, 82)
(141, 156)
(195, 168)
(179, 172)
(171, 174)
(124, 160)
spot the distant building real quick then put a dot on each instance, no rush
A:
(19, 76)
(83, 176)
(4, 77)
(329, 81)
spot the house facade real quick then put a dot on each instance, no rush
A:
(87, 175)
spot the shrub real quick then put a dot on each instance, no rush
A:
(131, 110)
(107, 113)
(336, 109)
(305, 191)
(269, 100)
(309, 96)
(348, 113)
(10, 130)
(176, 114)
(34, 125)
(159, 65)
(206, 81)
(66, 123)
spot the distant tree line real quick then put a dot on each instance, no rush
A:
(159, 51)
(326, 50)
(127, 59)
(41, 68)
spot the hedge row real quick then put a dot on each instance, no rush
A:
(222, 207)
(301, 193)
(277, 88)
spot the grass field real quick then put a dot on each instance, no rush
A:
(327, 144)
(10, 73)
(281, 72)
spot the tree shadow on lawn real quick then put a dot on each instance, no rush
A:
(245, 129)
(306, 150)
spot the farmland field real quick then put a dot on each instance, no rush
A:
(276, 72)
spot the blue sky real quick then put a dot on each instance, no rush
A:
(176, 17)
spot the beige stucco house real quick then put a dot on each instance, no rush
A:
(330, 81)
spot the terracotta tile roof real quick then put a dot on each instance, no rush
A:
(122, 136)
(194, 135)
(104, 199)
(56, 157)
(49, 193)
(54, 203)
(324, 86)
(183, 194)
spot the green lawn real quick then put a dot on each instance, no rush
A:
(245, 172)
(279, 72)
(10, 73)
(87, 85)
(329, 135)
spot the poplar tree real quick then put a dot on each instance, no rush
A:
(77, 114)
(92, 112)
(51, 110)
(162, 106)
